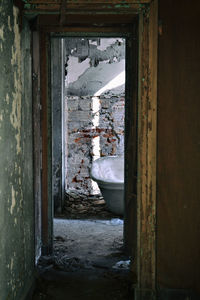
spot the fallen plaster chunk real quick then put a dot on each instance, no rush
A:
(114, 222)
(122, 264)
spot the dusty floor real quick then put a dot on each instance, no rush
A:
(87, 262)
(89, 240)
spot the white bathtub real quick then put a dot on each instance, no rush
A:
(108, 172)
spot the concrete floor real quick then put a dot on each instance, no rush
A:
(91, 240)
(85, 264)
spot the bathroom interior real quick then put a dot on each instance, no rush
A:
(88, 160)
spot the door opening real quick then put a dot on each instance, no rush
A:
(88, 113)
(101, 105)
(140, 217)
(88, 123)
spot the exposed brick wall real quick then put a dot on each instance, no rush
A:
(94, 124)
(82, 135)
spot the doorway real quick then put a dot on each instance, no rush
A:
(141, 236)
(88, 122)
(88, 110)
(114, 137)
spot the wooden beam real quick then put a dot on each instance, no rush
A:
(89, 2)
(46, 201)
(84, 6)
(147, 143)
(87, 20)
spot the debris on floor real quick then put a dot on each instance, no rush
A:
(81, 206)
(88, 239)
(81, 266)
(122, 264)
(64, 263)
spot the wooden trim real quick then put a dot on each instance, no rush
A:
(37, 140)
(147, 144)
(97, 30)
(94, 20)
(110, 6)
(46, 245)
(84, 10)
(131, 120)
(86, 1)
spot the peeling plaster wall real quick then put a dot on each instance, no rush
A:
(94, 106)
(16, 189)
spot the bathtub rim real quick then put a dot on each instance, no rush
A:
(107, 181)
(109, 184)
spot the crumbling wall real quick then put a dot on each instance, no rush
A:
(16, 190)
(94, 106)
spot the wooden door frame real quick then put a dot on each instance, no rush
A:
(144, 264)
(147, 154)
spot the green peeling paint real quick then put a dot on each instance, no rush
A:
(16, 179)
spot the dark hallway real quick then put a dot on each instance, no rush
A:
(84, 285)
(162, 153)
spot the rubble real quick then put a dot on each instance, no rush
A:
(81, 206)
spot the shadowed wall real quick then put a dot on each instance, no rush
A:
(178, 223)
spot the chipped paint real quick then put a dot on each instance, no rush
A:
(15, 116)
(1, 37)
(2, 33)
(9, 24)
(13, 204)
(16, 214)
(7, 99)
(96, 6)
(146, 189)
(11, 263)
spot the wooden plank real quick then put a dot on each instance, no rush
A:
(57, 81)
(88, 2)
(101, 30)
(37, 143)
(146, 239)
(84, 24)
(82, 6)
(46, 202)
(130, 221)
(88, 19)
(152, 137)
